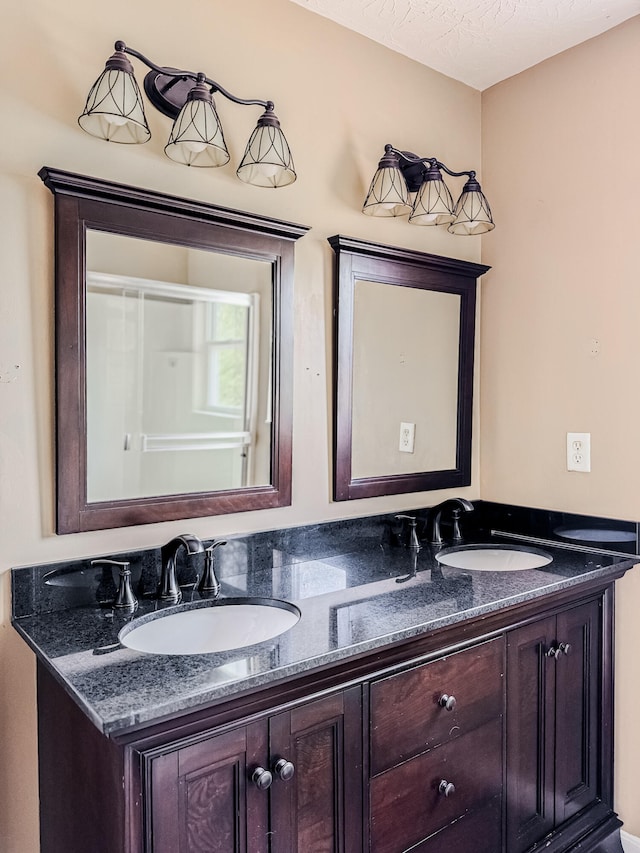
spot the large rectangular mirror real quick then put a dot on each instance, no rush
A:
(403, 369)
(173, 356)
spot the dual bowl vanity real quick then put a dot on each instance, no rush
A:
(352, 694)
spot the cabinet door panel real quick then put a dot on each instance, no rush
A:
(406, 717)
(202, 799)
(406, 802)
(319, 810)
(530, 734)
(577, 710)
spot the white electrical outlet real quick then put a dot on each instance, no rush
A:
(407, 437)
(579, 451)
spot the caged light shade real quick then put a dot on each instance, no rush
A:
(114, 109)
(401, 173)
(472, 213)
(433, 204)
(388, 194)
(196, 137)
(267, 160)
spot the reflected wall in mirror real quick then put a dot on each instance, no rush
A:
(403, 369)
(173, 356)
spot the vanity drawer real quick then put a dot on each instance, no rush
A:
(478, 832)
(407, 717)
(406, 803)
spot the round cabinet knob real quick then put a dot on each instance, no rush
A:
(565, 648)
(284, 769)
(447, 788)
(261, 778)
(554, 652)
(448, 702)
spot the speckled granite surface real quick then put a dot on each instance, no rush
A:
(357, 589)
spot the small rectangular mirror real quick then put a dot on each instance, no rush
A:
(403, 370)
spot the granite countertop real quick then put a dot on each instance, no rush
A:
(350, 604)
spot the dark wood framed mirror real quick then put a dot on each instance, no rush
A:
(404, 337)
(174, 348)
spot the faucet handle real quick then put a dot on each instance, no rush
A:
(209, 584)
(414, 542)
(125, 600)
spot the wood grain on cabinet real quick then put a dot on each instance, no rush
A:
(407, 717)
(553, 722)
(202, 799)
(407, 803)
(478, 832)
(320, 808)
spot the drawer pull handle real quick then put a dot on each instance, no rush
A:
(565, 648)
(448, 702)
(447, 788)
(261, 778)
(284, 769)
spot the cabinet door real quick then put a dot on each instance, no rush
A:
(202, 799)
(319, 809)
(577, 709)
(530, 734)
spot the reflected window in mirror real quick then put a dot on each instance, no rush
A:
(178, 372)
(403, 358)
(173, 356)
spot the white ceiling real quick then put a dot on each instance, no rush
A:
(478, 42)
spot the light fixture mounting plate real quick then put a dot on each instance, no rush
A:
(168, 92)
(412, 172)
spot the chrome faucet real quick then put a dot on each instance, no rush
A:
(169, 589)
(457, 506)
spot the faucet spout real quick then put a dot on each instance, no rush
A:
(169, 589)
(457, 506)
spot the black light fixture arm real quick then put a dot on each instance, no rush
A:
(414, 160)
(173, 76)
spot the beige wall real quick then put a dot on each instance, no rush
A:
(560, 152)
(340, 98)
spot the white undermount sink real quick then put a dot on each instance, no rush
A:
(493, 558)
(205, 627)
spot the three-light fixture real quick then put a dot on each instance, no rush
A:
(115, 111)
(401, 173)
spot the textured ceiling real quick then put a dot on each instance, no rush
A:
(479, 42)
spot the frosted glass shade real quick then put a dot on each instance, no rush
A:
(433, 204)
(388, 194)
(267, 160)
(114, 110)
(472, 212)
(196, 136)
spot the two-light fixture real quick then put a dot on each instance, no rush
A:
(401, 173)
(115, 111)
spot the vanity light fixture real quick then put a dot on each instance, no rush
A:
(115, 112)
(401, 173)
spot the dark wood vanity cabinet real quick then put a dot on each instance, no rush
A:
(213, 796)
(436, 747)
(502, 744)
(554, 722)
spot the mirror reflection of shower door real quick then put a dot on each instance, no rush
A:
(171, 401)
